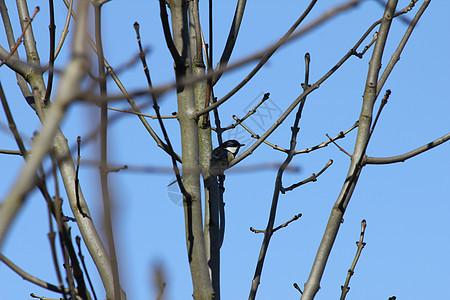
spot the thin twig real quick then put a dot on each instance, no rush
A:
(340, 135)
(232, 36)
(11, 152)
(12, 124)
(285, 224)
(141, 114)
(156, 108)
(51, 210)
(382, 104)
(297, 287)
(65, 29)
(408, 155)
(19, 40)
(249, 113)
(118, 169)
(263, 60)
(190, 80)
(33, 295)
(360, 244)
(107, 206)
(29, 277)
(81, 256)
(277, 190)
(367, 47)
(167, 34)
(340, 148)
(77, 181)
(52, 29)
(396, 56)
(312, 178)
(125, 95)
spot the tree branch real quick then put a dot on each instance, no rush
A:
(362, 140)
(167, 34)
(312, 178)
(360, 244)
(190, 148)
(405, 156)
(11, 42)
(29, 277)
(396, 56)
(125, 95)
(277, 189)
(232, 37)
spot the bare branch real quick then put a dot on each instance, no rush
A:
(340, 148)
(312, 178)
(190, 80)
(297, 287)
(11, 152)
(167, 34)
(125, 95)
(362, 140)
(52, 235)
(11, 42)
(51, 62)
(360, 244)
(396, 56)
(382, 104)
(81, 256)
(107, 207)
(285, 224)
(232, 37)
(19, 40)
(277, 189)
(307, 91)
(65, 29)
(250, 112)
(141, 114)
(15, 63)
(263, 60)
(52, 136)
(12, 124)
(408, 155)
(156, 108)
(30, 277)
(340, 135)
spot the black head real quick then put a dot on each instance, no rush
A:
(231, 146)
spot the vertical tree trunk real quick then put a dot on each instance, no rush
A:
(190, 150)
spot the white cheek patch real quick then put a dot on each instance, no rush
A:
(232, 149)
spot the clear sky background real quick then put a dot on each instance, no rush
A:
(406, 205)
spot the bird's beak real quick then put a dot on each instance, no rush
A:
(240, 145)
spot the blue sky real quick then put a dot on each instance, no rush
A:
(406, 205)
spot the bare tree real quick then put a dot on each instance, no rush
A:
(199, 112)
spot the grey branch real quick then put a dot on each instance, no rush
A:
(407, 155)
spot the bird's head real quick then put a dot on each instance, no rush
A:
(231, 146)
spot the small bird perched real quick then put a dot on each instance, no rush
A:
(220, 161)
(223, 155)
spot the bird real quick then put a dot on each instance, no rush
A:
(220, 161)
(223, 155)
